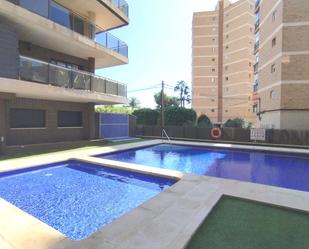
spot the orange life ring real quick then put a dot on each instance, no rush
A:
(216, 133)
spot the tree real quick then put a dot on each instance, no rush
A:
(146, 116)
(184, 93)
(179, 116)
(134, 103)
(204, 121)
(168, 100)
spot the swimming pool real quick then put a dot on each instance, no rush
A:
(78, 198)
(276, 169)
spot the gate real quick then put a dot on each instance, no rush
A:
(113, 126)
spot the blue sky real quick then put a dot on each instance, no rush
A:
(159, 40)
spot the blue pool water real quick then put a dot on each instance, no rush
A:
(276, 169)
(78, 198)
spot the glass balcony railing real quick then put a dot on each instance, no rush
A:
(122, 5)
(59, 14)
(50, 74)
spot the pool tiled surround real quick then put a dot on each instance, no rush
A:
(166, 221)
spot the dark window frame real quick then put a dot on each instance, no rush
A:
(26, 118)
(66, 119)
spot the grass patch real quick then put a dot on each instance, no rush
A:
(239, 224)
(45, 151)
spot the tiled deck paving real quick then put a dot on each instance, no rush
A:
(169, 220)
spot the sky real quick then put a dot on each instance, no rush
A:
(159, 41)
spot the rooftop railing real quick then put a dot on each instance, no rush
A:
(49, 74)
(61, 15)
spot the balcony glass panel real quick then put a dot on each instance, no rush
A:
(81, 80)
(111, 88)
(122, 90)
(98, 84)
(59, 76)
(33, 70)
(60, 15)
(46, 73)
(38, 7)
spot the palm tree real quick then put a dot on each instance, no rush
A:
(134, 103)
(184, 93)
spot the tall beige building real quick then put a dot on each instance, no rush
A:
(282, 64)
(222, 61)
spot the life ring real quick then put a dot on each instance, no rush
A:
(216, 133)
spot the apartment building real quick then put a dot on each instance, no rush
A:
(282, 59)
(49, 51)
(222, 61)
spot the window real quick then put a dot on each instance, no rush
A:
(212, 110)
(213, 50)
(213, 39)
(273, 42)
(65, 64)
(214, 18)
(227, 47)
(213, 70)
(274, 15)
(70, 119)
(227, 36)
(226, 68)
(272, 94)
(226, 78)
(27, 118)
(254, 108)
(226, 110)
(213, 59)
(250, 64)
(213, 100)
(227, 25)
(212, 80)
(273, 68)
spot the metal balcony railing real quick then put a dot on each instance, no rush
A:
(61, 15)
(50, 74)
(255, 88)
(257, 3)
(257, 24)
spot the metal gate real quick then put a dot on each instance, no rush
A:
(114, 126)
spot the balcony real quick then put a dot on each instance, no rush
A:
(256, 68)
(257, 25)
(256, 46)
(109, 14)
(49, 74)
(257, 4)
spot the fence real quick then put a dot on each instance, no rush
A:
(280, 137)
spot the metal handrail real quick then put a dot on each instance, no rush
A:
(165, 133)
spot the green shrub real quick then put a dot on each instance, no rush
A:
(234, 123)
(179, 116)
(146, 116)
(204, 121)
(113, 109)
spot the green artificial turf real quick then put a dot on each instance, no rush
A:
(239, 224)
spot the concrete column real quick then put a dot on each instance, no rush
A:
(3, 120)
(92, 18)
(91, 65)
(91, 121)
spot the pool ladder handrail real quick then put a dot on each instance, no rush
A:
(165, 133)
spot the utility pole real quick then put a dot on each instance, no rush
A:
(162, 107)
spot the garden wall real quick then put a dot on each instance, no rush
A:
(280, 137)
